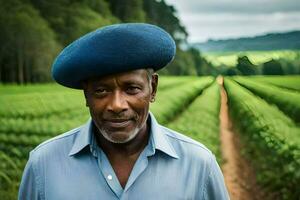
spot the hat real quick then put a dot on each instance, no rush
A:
(113, 49)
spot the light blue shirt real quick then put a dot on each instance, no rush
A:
(73, 167)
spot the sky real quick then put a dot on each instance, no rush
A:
(222, 19)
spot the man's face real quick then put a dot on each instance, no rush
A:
(119, 104)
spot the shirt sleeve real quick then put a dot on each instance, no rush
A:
(215, 188)
(28, 188)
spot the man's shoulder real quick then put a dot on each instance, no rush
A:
(183, 139)
(56, 143)
(187, 146)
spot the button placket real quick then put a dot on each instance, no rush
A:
(109, 174)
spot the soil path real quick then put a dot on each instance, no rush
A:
(239, 177)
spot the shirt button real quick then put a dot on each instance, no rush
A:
(109, 177)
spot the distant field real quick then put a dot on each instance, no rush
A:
(256, 57)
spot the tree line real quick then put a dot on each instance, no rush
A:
(272, 67)
(33, 32)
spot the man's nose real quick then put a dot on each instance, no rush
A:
(118, 103)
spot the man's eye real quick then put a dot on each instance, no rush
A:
(133, 90)
(101, 91)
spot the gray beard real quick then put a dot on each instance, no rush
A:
(131, 136)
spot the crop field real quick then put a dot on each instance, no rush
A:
(291, 82)
(256, 57)
(271, 138)
(265, 113)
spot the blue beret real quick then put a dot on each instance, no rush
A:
(113, 49)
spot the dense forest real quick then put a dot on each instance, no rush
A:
(34, 31)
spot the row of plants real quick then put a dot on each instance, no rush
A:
(286, 100)
(8, 180)
(43, 126)
(270, 138)
(172, 101)
(37, 105)
(13, 89)
(201, 120)
(168, 82)
(289, 82)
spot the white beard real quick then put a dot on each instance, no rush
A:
(107, 136)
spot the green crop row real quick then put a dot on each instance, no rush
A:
(17, 152)
(24, 140)
(201, 120)
(271, 140)
(12, 89)
(6, 163)
(289, 82)
(36, 105)
(167, 82)
(41, 126)
(286, 100)
(9, 176)
(170, 102)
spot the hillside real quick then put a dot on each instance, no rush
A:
(272, 41)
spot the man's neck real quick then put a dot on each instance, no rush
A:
(122, 157)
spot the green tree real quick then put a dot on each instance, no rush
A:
(83, 20)
(202, 66)
(272, 67)
(183, 64)
(165, 16)
(245, 66)
(232, 71)
(28, 44)
(128, 10)
(71, 19)
(290, 66)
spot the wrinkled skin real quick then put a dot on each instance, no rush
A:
(119, 104)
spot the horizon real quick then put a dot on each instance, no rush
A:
(243, 37)
(230, 19)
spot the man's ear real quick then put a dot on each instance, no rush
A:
(154, 84)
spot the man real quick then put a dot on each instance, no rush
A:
(122, 152)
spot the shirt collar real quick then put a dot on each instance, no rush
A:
(83, 138)
(157, 139)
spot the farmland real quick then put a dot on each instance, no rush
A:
(265, 115)
(288, 82)
(271, 139)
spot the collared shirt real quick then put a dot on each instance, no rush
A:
(73, 167)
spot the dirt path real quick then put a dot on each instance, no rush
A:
(239, 177)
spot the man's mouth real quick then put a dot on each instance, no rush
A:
(117, 123)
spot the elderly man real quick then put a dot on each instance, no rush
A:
(122, 152)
